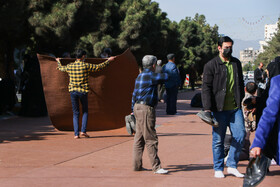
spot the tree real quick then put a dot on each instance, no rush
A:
(146, 30)
(64, 25)
(248, 67)
(199, 41)
(13, 32)
(272, 50)
(57, 26)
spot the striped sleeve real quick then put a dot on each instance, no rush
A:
(98, 67)
(60, 67)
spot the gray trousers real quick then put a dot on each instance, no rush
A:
(145, 135)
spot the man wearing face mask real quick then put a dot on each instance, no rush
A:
(222, 93)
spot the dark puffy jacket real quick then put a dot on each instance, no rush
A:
(215, 82)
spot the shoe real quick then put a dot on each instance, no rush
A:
(207, 118)
(76, 137)
(256, 171)
(219, 174)
(273, 162)
(85, 135)
(161, 171)
(234, 172)
(130, 123)
(140, 169)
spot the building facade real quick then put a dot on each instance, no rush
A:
(269, 31)
(248, 55)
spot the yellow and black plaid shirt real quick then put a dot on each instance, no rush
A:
(78, 72)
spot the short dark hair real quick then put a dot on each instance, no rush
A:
(251, 87)
(170, 56)
(224, 39)
(80, 53)
(277, 59)
(108, 51)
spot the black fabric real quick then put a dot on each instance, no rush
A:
(258, 76)
(274, 67)
(214, 84)
(244, 155)
(270, 149)
(196, 100)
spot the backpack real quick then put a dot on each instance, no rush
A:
(196, 100)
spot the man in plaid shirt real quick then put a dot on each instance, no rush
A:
(78, 72)
(144, 101)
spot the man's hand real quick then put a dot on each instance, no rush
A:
(256, 151)
(57, 59)
(111, 58)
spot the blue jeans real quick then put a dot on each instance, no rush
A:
(234, 119)
(75, 98)
(171, 100)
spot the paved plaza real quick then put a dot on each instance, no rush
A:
(34, 153)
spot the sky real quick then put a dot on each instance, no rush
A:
(239, 19)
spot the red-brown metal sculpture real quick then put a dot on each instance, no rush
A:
(109, 97)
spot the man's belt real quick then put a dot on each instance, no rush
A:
(143, 103)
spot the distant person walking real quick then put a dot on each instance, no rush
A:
(258, 78)
(144, 101)
(160, 86)
(78, 72)
(222, 93)
(172, 84)
(182, 72)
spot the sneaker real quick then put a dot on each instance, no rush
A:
(234, 172)
(273, 162)
(130, 124)
(85, 135)
(207, 118)
(76, 137)
(219, 174)
(161, 171)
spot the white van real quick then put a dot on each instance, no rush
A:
(250, 75)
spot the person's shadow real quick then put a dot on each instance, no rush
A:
(188, 167)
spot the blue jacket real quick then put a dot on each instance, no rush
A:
(270, 114)
(174, 78)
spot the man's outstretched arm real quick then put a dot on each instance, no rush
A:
(98, 67)
(60, 67)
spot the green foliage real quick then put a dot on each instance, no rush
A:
(248, 67)
(57, 26)
(271, 51)
(199, 41)
(146, 30)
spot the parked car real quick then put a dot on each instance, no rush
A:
(248, 77)
(250, 74)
